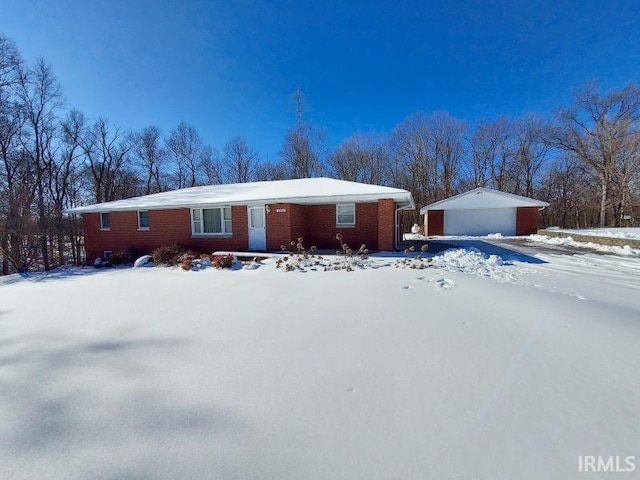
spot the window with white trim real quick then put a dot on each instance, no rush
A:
(143, 220)
(105, 221)
(211, 221)
(346, 215)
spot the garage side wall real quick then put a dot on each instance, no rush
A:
(167, 227)
(527, 220)
(434, 222)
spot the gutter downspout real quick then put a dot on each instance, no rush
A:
(396, 243)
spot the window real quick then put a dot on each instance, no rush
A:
(105, 223)
(143, 220)
(346, 214)
(211, 221)
(256, 217)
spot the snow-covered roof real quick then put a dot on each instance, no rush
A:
(481, 198)
(304, 191)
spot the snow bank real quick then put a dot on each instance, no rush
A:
(144, 261)
(474, 262)
(570, 242)
(631, 233)
(413, 236)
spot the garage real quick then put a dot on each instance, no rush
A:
(482, 211)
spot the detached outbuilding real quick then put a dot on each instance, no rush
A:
(483, 211)
(248, 216)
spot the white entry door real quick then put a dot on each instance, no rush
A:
(257, 228)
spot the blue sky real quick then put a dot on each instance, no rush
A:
(231, 68)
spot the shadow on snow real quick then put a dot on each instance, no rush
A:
(506, 254)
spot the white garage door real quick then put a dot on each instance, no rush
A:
(480, 222)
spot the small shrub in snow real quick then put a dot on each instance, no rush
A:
(186, 261)
(189, 254)
(127, 256)
(223, 261)
(418, 262)
(347, 258)
(169, 255)
(299, 257)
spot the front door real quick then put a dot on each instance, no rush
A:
(257, 228)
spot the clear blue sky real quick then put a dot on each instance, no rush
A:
(231, 68)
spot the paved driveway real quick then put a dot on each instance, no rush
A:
(521, 249)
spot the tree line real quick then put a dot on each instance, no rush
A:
(583, 158)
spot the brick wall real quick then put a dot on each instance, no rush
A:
(321, 229)
(386, 224)
(278, 221)
(166, 227)
(316, 224)
(526, 220)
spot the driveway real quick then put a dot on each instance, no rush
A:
(521, 249)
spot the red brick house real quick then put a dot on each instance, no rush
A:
(482, 211)
(257, 216)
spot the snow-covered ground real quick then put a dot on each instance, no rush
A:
(474, 367)
(625, 250)
(630, 233)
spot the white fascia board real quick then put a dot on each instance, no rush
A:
(125, 206)
(483, 198)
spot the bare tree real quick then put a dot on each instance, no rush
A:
(448, 149)
(485, 144)
(303, 147)
(19, 242)
(151, 158)
(529, 153)
(491, 147)
(105, 149)
(626, 179)
(41, 97)
(185, 145)
(211, 166)
(361, 158)
(268, 170)
(413, 168)
(302, 151)
(427, 154)
(65, 185)
(600, 130)
(240, 161)
(13, 168)
(568, 188)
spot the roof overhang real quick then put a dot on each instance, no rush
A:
(484, 199)
(251, 194)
